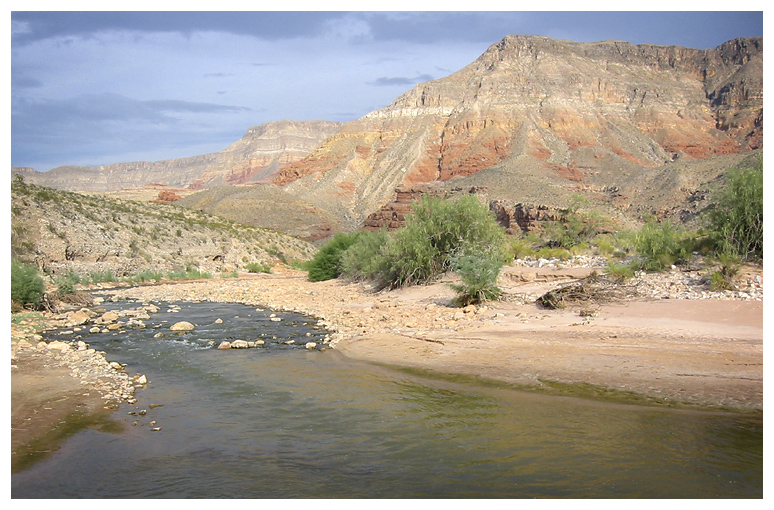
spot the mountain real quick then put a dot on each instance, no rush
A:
(262, 152)
(553, 113)
(638, 128)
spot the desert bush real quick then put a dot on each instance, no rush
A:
(577, 226)
(364, 259)
(26, 285)
(735, 218)
(101, 276)
(619, 272)
(147, 276)
(553, 253)
(326, 263)
(191, 273)
(257, 267)
(522, 246)
(479, 279)
(65, 284)
(660, 245)
(723, 277)
(436, 233)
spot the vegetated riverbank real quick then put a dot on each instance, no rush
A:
(674, 343)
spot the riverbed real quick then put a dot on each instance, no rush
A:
(284, 421)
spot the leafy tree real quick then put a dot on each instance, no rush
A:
(735, 219)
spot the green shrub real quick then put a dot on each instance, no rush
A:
(521, 247)
(64, 286)
(364, 259)
(736, 216)
(258, 267)
(146, 276)
(620, 272)
(479, 279)
(437, 232)
(553, 253)
(326, 263)
(576, 227)
(26, 285)
(191, 273)
(660, 245)
(723, 278)
(102, 276)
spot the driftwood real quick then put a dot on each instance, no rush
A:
(595, 288)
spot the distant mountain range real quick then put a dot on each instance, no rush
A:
(532, 119)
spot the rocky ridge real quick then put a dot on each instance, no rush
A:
(563, 112)
(256, 157)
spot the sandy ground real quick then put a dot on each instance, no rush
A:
(704, 352)
(695, 352)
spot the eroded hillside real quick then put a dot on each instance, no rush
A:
(61, 231)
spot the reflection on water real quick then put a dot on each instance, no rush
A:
(282, 422)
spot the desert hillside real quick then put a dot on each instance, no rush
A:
(62, 231)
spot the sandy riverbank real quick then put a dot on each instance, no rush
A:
(706, 352)
(698, 351)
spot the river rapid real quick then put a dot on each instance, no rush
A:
(284, 421)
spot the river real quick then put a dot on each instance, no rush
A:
(282, 421)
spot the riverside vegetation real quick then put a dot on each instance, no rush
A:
(441, 236)
(463, 236)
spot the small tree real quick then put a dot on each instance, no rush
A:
(735, 219)
(479, 279)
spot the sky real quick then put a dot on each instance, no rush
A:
(92, 88)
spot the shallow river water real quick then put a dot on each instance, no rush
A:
(281, 421)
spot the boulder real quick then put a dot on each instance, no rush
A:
(182, 326)
(239, 344)
(61, 346)
(107, 318)
(78, 318)
(224, 345)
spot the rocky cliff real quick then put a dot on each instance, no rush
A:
(641, 128)
(262, 152)
(561, 112)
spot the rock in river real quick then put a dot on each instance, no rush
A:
(182, 326)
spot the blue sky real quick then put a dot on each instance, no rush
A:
(91, 88)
